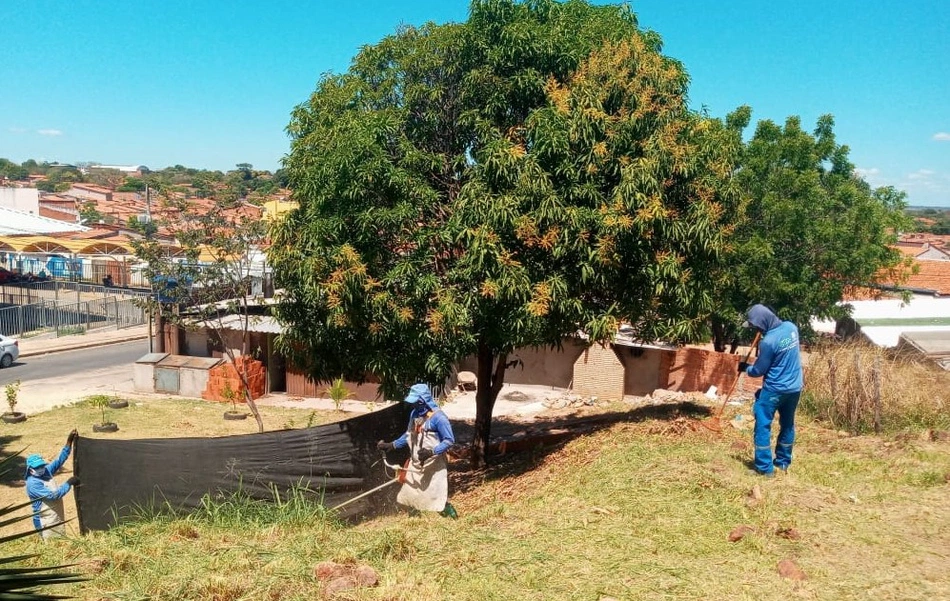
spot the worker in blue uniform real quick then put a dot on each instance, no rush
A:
(780, 367)
(44, 492)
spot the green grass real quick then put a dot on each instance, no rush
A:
(626, 512)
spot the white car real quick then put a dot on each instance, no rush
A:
(9, 350)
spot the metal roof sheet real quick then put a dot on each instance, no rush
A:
(18, 222)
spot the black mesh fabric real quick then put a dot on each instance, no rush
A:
(336, 461)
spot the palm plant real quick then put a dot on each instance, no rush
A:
(338, 392)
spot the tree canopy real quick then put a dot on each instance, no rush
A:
(468, 189)
(809, 228)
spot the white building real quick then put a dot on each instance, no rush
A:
(25, 200)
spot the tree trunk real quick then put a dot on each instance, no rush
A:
(253, 406)
(491, 377)
(719, 335)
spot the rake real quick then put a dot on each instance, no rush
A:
(714, 423)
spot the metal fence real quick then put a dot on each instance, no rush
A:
(119, 273)
(63, 292)
(61, 318)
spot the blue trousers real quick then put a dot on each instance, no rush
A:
(766, 405)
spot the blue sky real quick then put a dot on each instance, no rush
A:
(210, 84)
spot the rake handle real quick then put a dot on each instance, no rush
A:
(755, 343)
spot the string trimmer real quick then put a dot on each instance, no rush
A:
(399, 476)
(714, 423)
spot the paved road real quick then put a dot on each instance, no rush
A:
(67, 363)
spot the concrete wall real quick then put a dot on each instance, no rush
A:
(192, 382)
(641, 369)
(540, 366)
(196, 344)
(21, 199)
(143, 377)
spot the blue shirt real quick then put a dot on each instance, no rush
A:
(438, 422)
(779, 360)
(38, 490)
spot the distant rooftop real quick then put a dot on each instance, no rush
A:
(122, 168)
(17, 222)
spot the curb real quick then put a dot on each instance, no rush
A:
(80, 346)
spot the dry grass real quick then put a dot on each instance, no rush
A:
(635, 511)
(862, 389)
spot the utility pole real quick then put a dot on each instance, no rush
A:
(148, 206)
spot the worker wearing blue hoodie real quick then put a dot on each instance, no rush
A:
(428, 437)
(45, 494)
(780, 367)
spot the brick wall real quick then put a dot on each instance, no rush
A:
(598, 372)
(224, 375)
(695, 370)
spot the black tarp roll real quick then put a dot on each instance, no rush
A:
(337, 461)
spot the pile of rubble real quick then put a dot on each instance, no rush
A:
(569, 401)
(661, 396)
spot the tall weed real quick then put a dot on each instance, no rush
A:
(862, 388)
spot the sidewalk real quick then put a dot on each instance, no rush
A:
(31, 347)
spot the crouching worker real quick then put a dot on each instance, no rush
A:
(46, 495)
(428, 436)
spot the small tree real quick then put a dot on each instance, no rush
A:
(229, 395)
(204, 279)
(338, 392)
(100, 401)
(12, 391)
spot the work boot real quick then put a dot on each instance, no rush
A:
(449, 512)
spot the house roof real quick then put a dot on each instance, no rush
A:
(912, 249)
(256, 323)
(18, 222)
(932, 344)
(931, 275)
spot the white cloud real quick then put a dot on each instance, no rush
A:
(942, 136)
(872, 175)
(49, 132)
(920, 174)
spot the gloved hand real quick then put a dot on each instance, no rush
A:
(424, 455)
(382, 445)
(72, 437)
(73, 481)
(743, 366)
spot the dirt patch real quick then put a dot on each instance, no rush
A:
(787, 568)
(740, 532)
(788, 533)
(679, 426)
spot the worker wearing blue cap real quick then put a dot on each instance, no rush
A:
(46, 495)
(428, 437)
